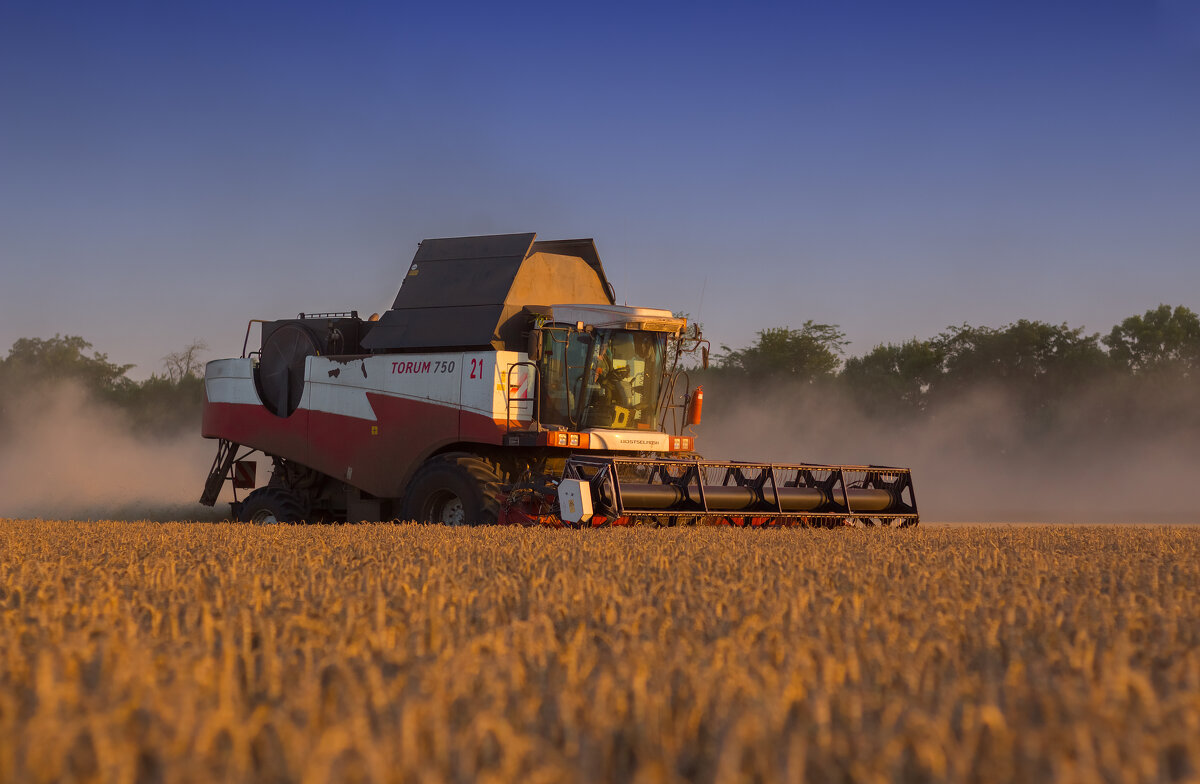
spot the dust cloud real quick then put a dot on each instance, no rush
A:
(66, 455)
(978, 459)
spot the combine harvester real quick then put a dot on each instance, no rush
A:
(503, 386)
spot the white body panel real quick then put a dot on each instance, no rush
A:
(484, 376)
(340, 386)
(231, 381)
(473, 381)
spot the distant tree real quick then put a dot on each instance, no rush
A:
(1037, 363)
(808, 354)
(186, 362)
(893, 379)
(167, 404)
(159, 405)
(1162, 339)
(63, 358)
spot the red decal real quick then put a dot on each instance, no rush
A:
(330, 442)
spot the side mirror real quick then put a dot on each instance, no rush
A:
(704, 356)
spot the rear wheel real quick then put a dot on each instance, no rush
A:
(270, 505)
(454, 489)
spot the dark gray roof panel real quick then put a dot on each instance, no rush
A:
(414, 329)
(457, 282)
(470, 292)
(488, 246)
(463, 271)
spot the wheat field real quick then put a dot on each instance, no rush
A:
(186, 652)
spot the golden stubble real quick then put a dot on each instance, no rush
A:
(399, 653)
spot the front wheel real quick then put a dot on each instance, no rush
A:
(270, 505)
(454, 489)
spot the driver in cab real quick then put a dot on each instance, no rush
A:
(614, 378)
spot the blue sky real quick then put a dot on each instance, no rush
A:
(170, 170)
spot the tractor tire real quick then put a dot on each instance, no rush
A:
(454, 489)
(270, 505)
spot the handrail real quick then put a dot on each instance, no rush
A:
(509, 400)
(666, 400)
(334, 314)
(246, 342)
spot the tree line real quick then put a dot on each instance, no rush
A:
(163, 404)
(1144, 371)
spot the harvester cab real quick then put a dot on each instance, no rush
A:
(603, 375)
(504, 385)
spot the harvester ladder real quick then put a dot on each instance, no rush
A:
(226, 454)
(509, 400)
